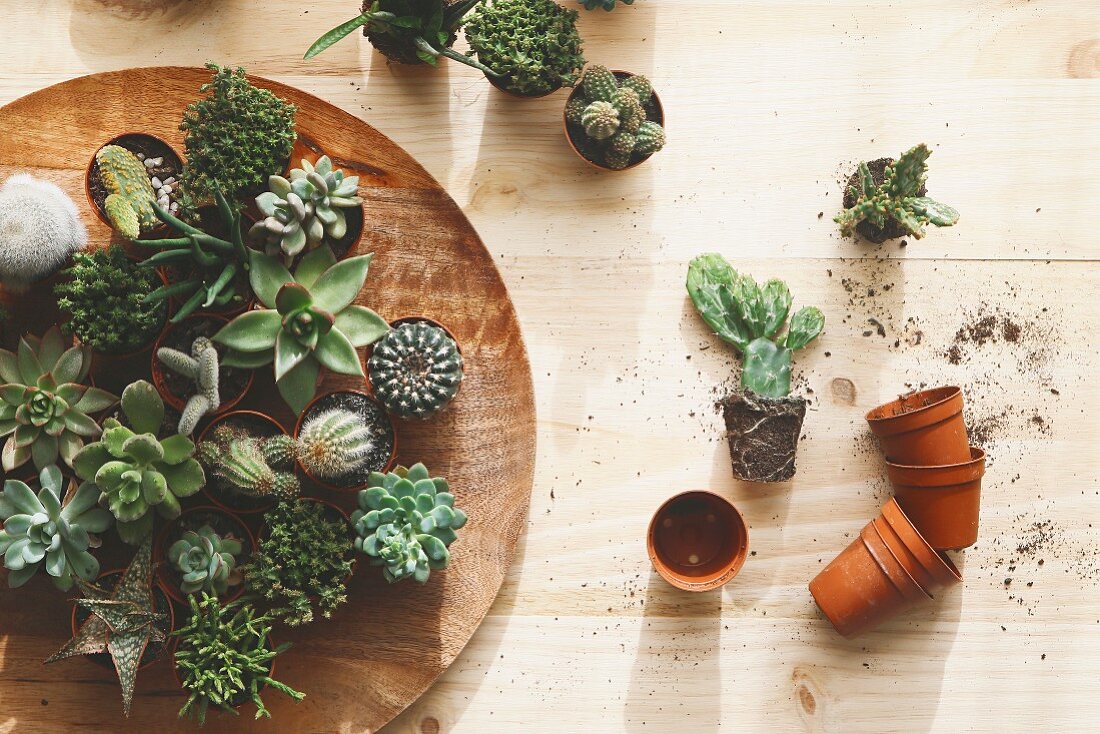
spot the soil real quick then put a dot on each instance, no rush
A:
(763, 435)
(223, 524)
(592, 151)
(341, 246)
(136, 143)
(892, 230)
(373, 415)
(232, 382)
(226, 494)
(153, 652)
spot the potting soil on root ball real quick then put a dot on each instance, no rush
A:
(763, 435)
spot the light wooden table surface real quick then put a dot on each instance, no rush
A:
(769, 104)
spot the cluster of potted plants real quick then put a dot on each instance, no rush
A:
(240, 271)
(528, 49)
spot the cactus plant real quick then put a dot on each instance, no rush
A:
(252, 465)
(44, 409)
(130, 195)
(534, 44)
(416, 370)
(306, 210)
(405, 523)
(136, 471)
(898, 200)
(206, 561)
(201, 367)
(334, 443)
(40, 228)
(310, 320)
(608, 120)
(607, 5)
(41, 533)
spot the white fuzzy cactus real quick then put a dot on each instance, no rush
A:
(40, 229)
(201, 367)
(334, 443)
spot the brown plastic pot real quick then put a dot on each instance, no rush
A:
(938, 567)
(923, 428)
(697, 541)
(659, 118)
(103, 659)
(168, 577)
(942, 502)
(159, 372)
(893, 566)
(121, 140)
(353, 486)
(905, 556)
(244, 505)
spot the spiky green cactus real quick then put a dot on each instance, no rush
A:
(607, 118)
(629, 107)
(130, 195)
(416, 370)
(599, 84)
(897, 199)
(206, 561)
(201, 367)
(254, 466)
(607, 5)
(650, 138)
(638, 84)
(600, 120)
(751, 317)
(334, 443)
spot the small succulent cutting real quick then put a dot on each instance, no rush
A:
(405, 523)
(201, 367)
(44, 409)
(415, 370)
(334, 443)
(206, 561)
(310, 321)
(609, 121)
(41, 533)
(135, 470)
(40, 228)
(252, 465)
(306, 210)
(898, 200)
(130, 195)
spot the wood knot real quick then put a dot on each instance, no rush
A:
(806, 698)
(1084, 59)
(843, 390)
(804, 689)
(430, 725)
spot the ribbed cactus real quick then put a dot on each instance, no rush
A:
(640, 85)
(629, 107)
(650, 138)
(334, 443)
(130, 195)
(599, 84)
(416, 370)
(600, 120)
(254, 466)
(201, 367)
(39, 229)
(607, 118)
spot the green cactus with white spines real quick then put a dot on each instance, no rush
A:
(751, 318)
(334, 443)
(254, 466)
(599, 83)
(607, 118)
(629, 107)
(201, 367)
(206, 561)
(130, 195)
(600, 120)
(650, 138)
(638, 84)
(416, 370)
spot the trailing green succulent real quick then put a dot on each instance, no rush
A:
(224, 658)
(130, 195)
(104, 294)
(607, 5)
(135, 470)
(898, 199)
(201, 367)
(235, 138)
(415, 370)
(45, 411)
(213, 264)
(408, 31)
(534, 44)
(751, 317)
(608, 118)
(302, 564)
(123, 622)
(309, 321)
(405, 523)
(206, 561)
(251, 465)
(334, 443)
(41, 533)
(305, 211)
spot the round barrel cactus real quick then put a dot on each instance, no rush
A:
(416, 370)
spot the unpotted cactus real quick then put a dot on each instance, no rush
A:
(416, 369)
(40, 228)
(763, 420)
(342, 437)
(614, 120)
(126, 176)
(886, 199)
(201, 551)
(249, 462)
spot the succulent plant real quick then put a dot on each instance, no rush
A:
(306, 210)
(40, 228)
(415, 370)
(130, 195)
(41, 533)
(608, 118)
(751, 317)
(201, 367)
(206, 561)
(136, 471)
(225, 656)
(44, 409)
(334, 443)
(309, 321)
(897, 199)
(533, 44)
(607, 5)
(405, 523)
(252, 465)
(104, 294)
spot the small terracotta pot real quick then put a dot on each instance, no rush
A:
(103, 659)
(659, 115)
(499, 84)
(894, 568)
(923, 428)
(121, 140)
(167, 576)
(905, 556)
(223, 500)
(936, 565)
(697, 541)
(942, 502)
(159, 372)
(355, 486)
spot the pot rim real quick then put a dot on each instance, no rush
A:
(924, 578)
(921, 594)
(157, 371)
(940, 566)
(946, 402)
(731, 568)
(565, 126)
(335, 487)
(159, 553)
(154, 585)
(938, 477)
(100, 214)
(210, 494)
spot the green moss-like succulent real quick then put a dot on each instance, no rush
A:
(609, 121)
(415, 370)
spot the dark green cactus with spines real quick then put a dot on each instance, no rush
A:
(640, 86)
(607, 118)
(130, 195)
(600, 120)
(623, 143)
(607, 5)
(650, 138)
(254, 466)
(599, 84)
(416, 370)
(629, 107)
(751, 318)
(574, 110)
(898, 198)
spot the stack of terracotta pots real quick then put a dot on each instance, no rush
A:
(898, 560)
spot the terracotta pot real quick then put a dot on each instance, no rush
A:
(697, 541)
(659, 119)
(104, 659)
(159, 372)
(922, 429)
(936, 565)
(168, 577)
(499, 84)
(122, 140)
(905, 556)
(360, 482)
(238, 503)
(942, 502)
(893, 566)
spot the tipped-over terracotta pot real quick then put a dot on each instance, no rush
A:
(697, 541)
(923, 428)
(942, 502)
(936, 571)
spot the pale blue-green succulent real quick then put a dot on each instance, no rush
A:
(206, 561)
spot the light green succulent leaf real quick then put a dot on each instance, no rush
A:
(767, 369)
(266, 275)
(806, 324)
(143, 407)
(50, 501)
(338, 286)
(289, 353)
(144, 449)
(248, 360)
(50, 349)
(9, 367)
(300, 384)
(18, 525)
(776, 300)
(12, 394)
(336, 352)
(710, 283)
(313, 265)
(936, 212)
(154, 488)
(90, 459)
(185, 478)
(69, 364)
(44, 451)
(83, 499)
(78, 423)
(95, 400)
(254, 331)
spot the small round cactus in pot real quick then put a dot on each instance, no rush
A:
(249, 462)
(416, 369)
(614, 119)
(342, 437)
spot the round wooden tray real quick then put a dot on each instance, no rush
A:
(387, 645)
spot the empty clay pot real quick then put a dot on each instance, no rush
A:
(900, 577)
(942, 502)
(923, 428)
(697, 541)
(906, 557)
(936, 565)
